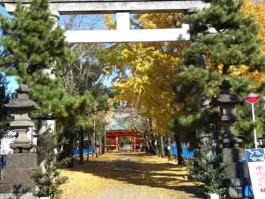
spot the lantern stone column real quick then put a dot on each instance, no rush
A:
(229, 141)
(16, 172)
(21, 106)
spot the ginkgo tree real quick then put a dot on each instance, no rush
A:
(147, 70)
(256, 9)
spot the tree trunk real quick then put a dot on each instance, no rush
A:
(170, 157)
(147, 148)
(225, 69)
(68, 148)
(100, 145)
(156, 147)
(81, 146)
(97, 144)
(153, 148)
(93, 144)
(87, 157)
(179, 149)
(89, 147)
(162, 148)
(94, 140)
(104, 143)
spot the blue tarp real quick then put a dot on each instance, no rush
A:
(86, 151)
(2, 160)
(185, 152)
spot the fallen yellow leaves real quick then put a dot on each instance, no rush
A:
(129, 175)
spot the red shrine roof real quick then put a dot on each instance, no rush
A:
(117, 133)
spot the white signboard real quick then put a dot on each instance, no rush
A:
(256, 166)
(257, 176)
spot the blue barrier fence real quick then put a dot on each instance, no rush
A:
(86, 151)
(2, 160)
(185, 152)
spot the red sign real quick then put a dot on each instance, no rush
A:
(252, 98)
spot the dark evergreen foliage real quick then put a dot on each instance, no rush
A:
(225, 37)
(207, 169)
(49, 180)
(31, 42)
(4, 98)
(221, 38)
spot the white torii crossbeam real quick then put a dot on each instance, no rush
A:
(122, 8)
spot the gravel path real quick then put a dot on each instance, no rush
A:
(129, 176)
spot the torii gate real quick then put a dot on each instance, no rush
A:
(122, 8)
(113, 136)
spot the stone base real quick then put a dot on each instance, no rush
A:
(231, 158)
(231, 163)
(15, 176)
(21, 196)
(234, 188)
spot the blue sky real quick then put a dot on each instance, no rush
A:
(12, 84)
(3, 11)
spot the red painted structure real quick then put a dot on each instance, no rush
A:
(113, 137)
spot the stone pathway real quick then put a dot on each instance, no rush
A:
(129, 176)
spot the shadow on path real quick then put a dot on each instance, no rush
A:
(129, 169)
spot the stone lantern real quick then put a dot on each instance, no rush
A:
(229, 142)
(227, 102)
(22, 122)
(16, 172)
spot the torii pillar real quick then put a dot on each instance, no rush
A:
(134, 143)
(116, 143)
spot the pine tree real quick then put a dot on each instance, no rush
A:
(31, 42)
(4, 98)
(224, 41)
(48, 182)
(207, 169)
(224, 37)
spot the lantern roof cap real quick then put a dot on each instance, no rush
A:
(225, 97)
(23, 88)
(228, 98)
(46, 117)
(22, 100)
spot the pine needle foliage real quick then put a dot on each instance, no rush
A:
(208, 170)
(31, 42)
(225, 37)
(49, 180)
